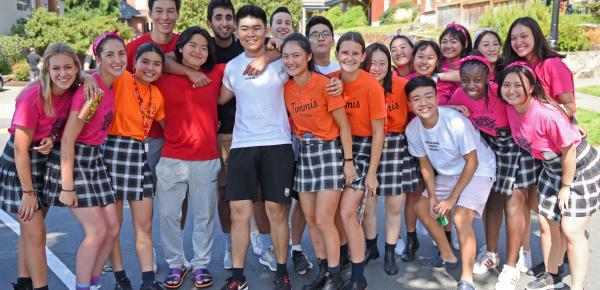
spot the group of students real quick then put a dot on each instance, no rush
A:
(249, 125)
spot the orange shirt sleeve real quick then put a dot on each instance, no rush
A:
(333, 102)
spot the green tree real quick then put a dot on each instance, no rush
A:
(11, 47)
(353, 17)
(96, 7)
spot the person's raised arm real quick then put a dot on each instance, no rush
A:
(197, 78)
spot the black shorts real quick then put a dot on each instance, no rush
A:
(269, 167)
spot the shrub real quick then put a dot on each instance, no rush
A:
(11, 47)
(5, 68)
(388, 16)
(21, 70)
(353, 17)
(571, 34)
(594, 7)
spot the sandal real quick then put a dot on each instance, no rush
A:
(202, 278)
(175, 278)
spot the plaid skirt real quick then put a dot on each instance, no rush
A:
(398, 171)
(515, 167)
(320, 165)
(361, 150)
(585, 187)
(10, 186)
(127, 165)
(91, 181)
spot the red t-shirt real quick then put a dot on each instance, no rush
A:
(191, 116)
(131, 49)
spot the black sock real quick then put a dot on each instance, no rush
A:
(281, 269)
(358, 270)
(333, 270)
(238, 274)
(41, 288)
(390, 246)
(371, 242)
(324, 262)
(449, 237)
(120, 275)
(343, 251)
(148, 278)
(411, 235)
(25, 281)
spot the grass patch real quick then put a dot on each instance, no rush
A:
(590, 121)
(590, 90)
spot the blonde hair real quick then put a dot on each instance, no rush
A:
(45, 81)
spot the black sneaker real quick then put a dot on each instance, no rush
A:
(410, 249)
(231, 284)
(334, 282)
(356, 285)
(320, 278)
(154, 286)
(22, 286)
(282, 283)
(301, 264)
(545, 281)
(123, 284)
(541, 268)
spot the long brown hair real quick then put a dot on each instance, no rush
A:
(45, 81)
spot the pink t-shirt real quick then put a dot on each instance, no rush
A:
(29, 113)
(94, 132)
(444, 89)
(485, 118)
(542, 129)
(555, 77)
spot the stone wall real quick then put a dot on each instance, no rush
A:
(584, 64)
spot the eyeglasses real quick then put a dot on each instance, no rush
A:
(315, 34)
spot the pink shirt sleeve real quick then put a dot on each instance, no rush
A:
(78, 99)
(555, 76)
(561, 133)
(27, 109)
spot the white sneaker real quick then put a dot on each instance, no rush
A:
(267, 258)
(524, 263)
(485, 261)
(508, 278)
(257, 246)
(399, 247)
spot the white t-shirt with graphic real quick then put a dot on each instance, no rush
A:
(261, 117)
(332, 67)
(452, 137)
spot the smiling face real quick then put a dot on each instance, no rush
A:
(63, 71)
(251, 33)
(148, 67)
(401, 52)
(450, 47)
(522, 41)
(489, 46)
(350, 56)
(164, 15)
(473, 79)
(281, 26)
(425, 61)
(379, 65)
(514, 91)
(195, 51)
(423, 102)
(295, 59)
(321, 39)
(113, 59)
(222, 23)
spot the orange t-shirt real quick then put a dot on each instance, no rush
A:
(365, 101)
(310, 107)
(397, 106)
(128, 119)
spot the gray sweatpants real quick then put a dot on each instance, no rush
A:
(175, 178)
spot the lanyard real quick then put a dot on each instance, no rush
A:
(146, 118)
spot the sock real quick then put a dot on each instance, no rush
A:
(343, 251)
(238, 274)
(266, 240)
(148, 278)
(333, 270)
(358, 270)
(297, 248)
(390, 246)
(41, 288)
(82, 286)
(372, 242)
(411, 235)
(25, 281)
(449, 236)
(281, 269)
(96, 280)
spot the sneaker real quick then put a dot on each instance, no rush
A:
(122, 284)
(282, 283)
(399, 247)
(22, 286)
(485, 260)
(524, 263)
(267, 258)
(257, 246)
(227, 263)
(231, 284)
(464, 285)
(301, 264)
(508, 278)
(106, 268)
(437, 262)
(545, 281)
(154, 286)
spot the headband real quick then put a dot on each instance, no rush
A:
(523, 65)
(477, 58)
(406, 37)
(481, 31)
(458, 27)
(102, 37)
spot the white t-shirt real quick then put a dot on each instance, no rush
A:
(332, 67)
(261, 116)
(452, 137)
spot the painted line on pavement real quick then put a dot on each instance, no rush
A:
(54, 263)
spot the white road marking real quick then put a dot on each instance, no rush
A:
(54, 263)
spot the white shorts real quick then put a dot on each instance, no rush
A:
(473, 197)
